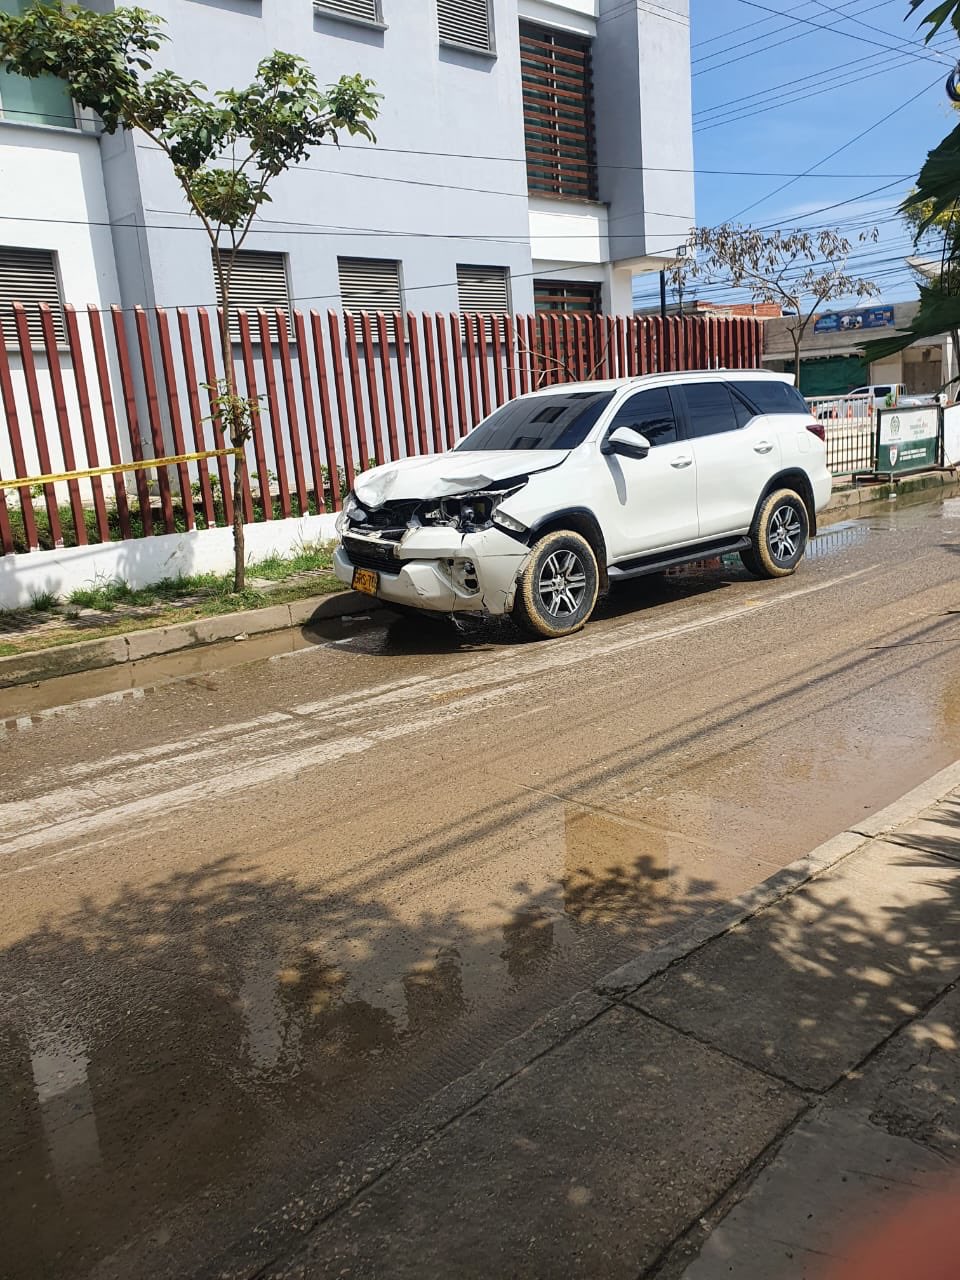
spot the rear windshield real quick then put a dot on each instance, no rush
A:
(560, 421)
(772, 396)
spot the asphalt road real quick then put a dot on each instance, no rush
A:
(252, 916)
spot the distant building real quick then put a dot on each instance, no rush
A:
(832, 361)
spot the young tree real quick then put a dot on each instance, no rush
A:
(225, 148)
(801, 270)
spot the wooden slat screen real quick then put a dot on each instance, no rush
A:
(558, 112)
(466, 22)
(364, 10)
(567, 295)
(30, 276)
(257, 280)
(484, 290)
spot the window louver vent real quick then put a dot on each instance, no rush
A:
(465, 22)
(259, 280)
(484, 289)
(363, 10)
(30, 276)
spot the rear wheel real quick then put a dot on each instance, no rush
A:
(558, 587)
(778, 535)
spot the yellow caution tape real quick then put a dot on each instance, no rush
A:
(146, 465)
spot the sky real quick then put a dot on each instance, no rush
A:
(779, 85)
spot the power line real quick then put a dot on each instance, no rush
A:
(863, 133)
(755, 4)
(774, 31)
(732, 114)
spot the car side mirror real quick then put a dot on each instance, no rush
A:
(626, 441)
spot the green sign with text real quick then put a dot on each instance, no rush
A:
(908, 440)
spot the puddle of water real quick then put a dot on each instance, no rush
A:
(837, 539)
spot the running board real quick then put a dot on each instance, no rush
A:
(640, 565)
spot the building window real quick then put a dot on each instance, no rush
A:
(485, 290)
(258, 280)
(466, 23)
(357, 10)
(558, 113)
(45, 100)
(30, 276)
(371, 285)
(568, 295)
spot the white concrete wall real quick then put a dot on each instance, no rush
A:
(144, 561)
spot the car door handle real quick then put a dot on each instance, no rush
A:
(684, 461)
(762, 446)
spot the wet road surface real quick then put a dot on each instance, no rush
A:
(252, 915)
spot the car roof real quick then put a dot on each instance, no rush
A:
(659, 379)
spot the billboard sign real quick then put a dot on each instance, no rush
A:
(908, 440)
(848, 321)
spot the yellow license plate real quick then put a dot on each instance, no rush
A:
(366, 580)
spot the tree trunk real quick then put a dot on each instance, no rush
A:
(234, 422)
(796, 360)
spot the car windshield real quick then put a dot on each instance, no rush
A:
(560, 421)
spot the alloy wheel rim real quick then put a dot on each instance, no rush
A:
(786, 531)
(562, 583)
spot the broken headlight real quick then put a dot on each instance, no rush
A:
(350, 507)
(470, 512)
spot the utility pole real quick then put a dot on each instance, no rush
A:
(663, 295)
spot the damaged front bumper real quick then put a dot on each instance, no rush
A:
(438, 568)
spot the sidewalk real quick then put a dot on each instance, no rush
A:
(728, 1105)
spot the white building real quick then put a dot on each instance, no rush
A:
(531, 154)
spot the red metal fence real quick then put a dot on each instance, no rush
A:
(335, 395)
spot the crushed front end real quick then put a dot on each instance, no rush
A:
(455, 554)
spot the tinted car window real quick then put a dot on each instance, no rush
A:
(560, 421)
(650, 413)
(710, 407)
(743, 411)
(772, 396)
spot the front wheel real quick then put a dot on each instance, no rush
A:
(778, 535)
(558, 587)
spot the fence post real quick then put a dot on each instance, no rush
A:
(86, 420)
(310, 413)
(326, 412)
(336, 355)
(386, 381)
(173, 407)
(256, 418)
(273, 409)
(359, 419)
(196, 419)
(432, 392)
(36, 414)
(373, 400)
(293, 417)
(223, 470)
(16, 447)
(443, 358)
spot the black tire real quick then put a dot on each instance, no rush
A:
(557, 590)
(778, 535)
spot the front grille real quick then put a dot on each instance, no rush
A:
(371, 555)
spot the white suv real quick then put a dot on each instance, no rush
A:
(560, 493)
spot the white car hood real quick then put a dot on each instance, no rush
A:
(442, 475)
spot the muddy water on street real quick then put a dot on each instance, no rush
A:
(203, 1003)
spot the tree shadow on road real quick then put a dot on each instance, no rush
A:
(191, 1047)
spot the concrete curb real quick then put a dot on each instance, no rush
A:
(849, 501)
(134, 646)
(285, 1232)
